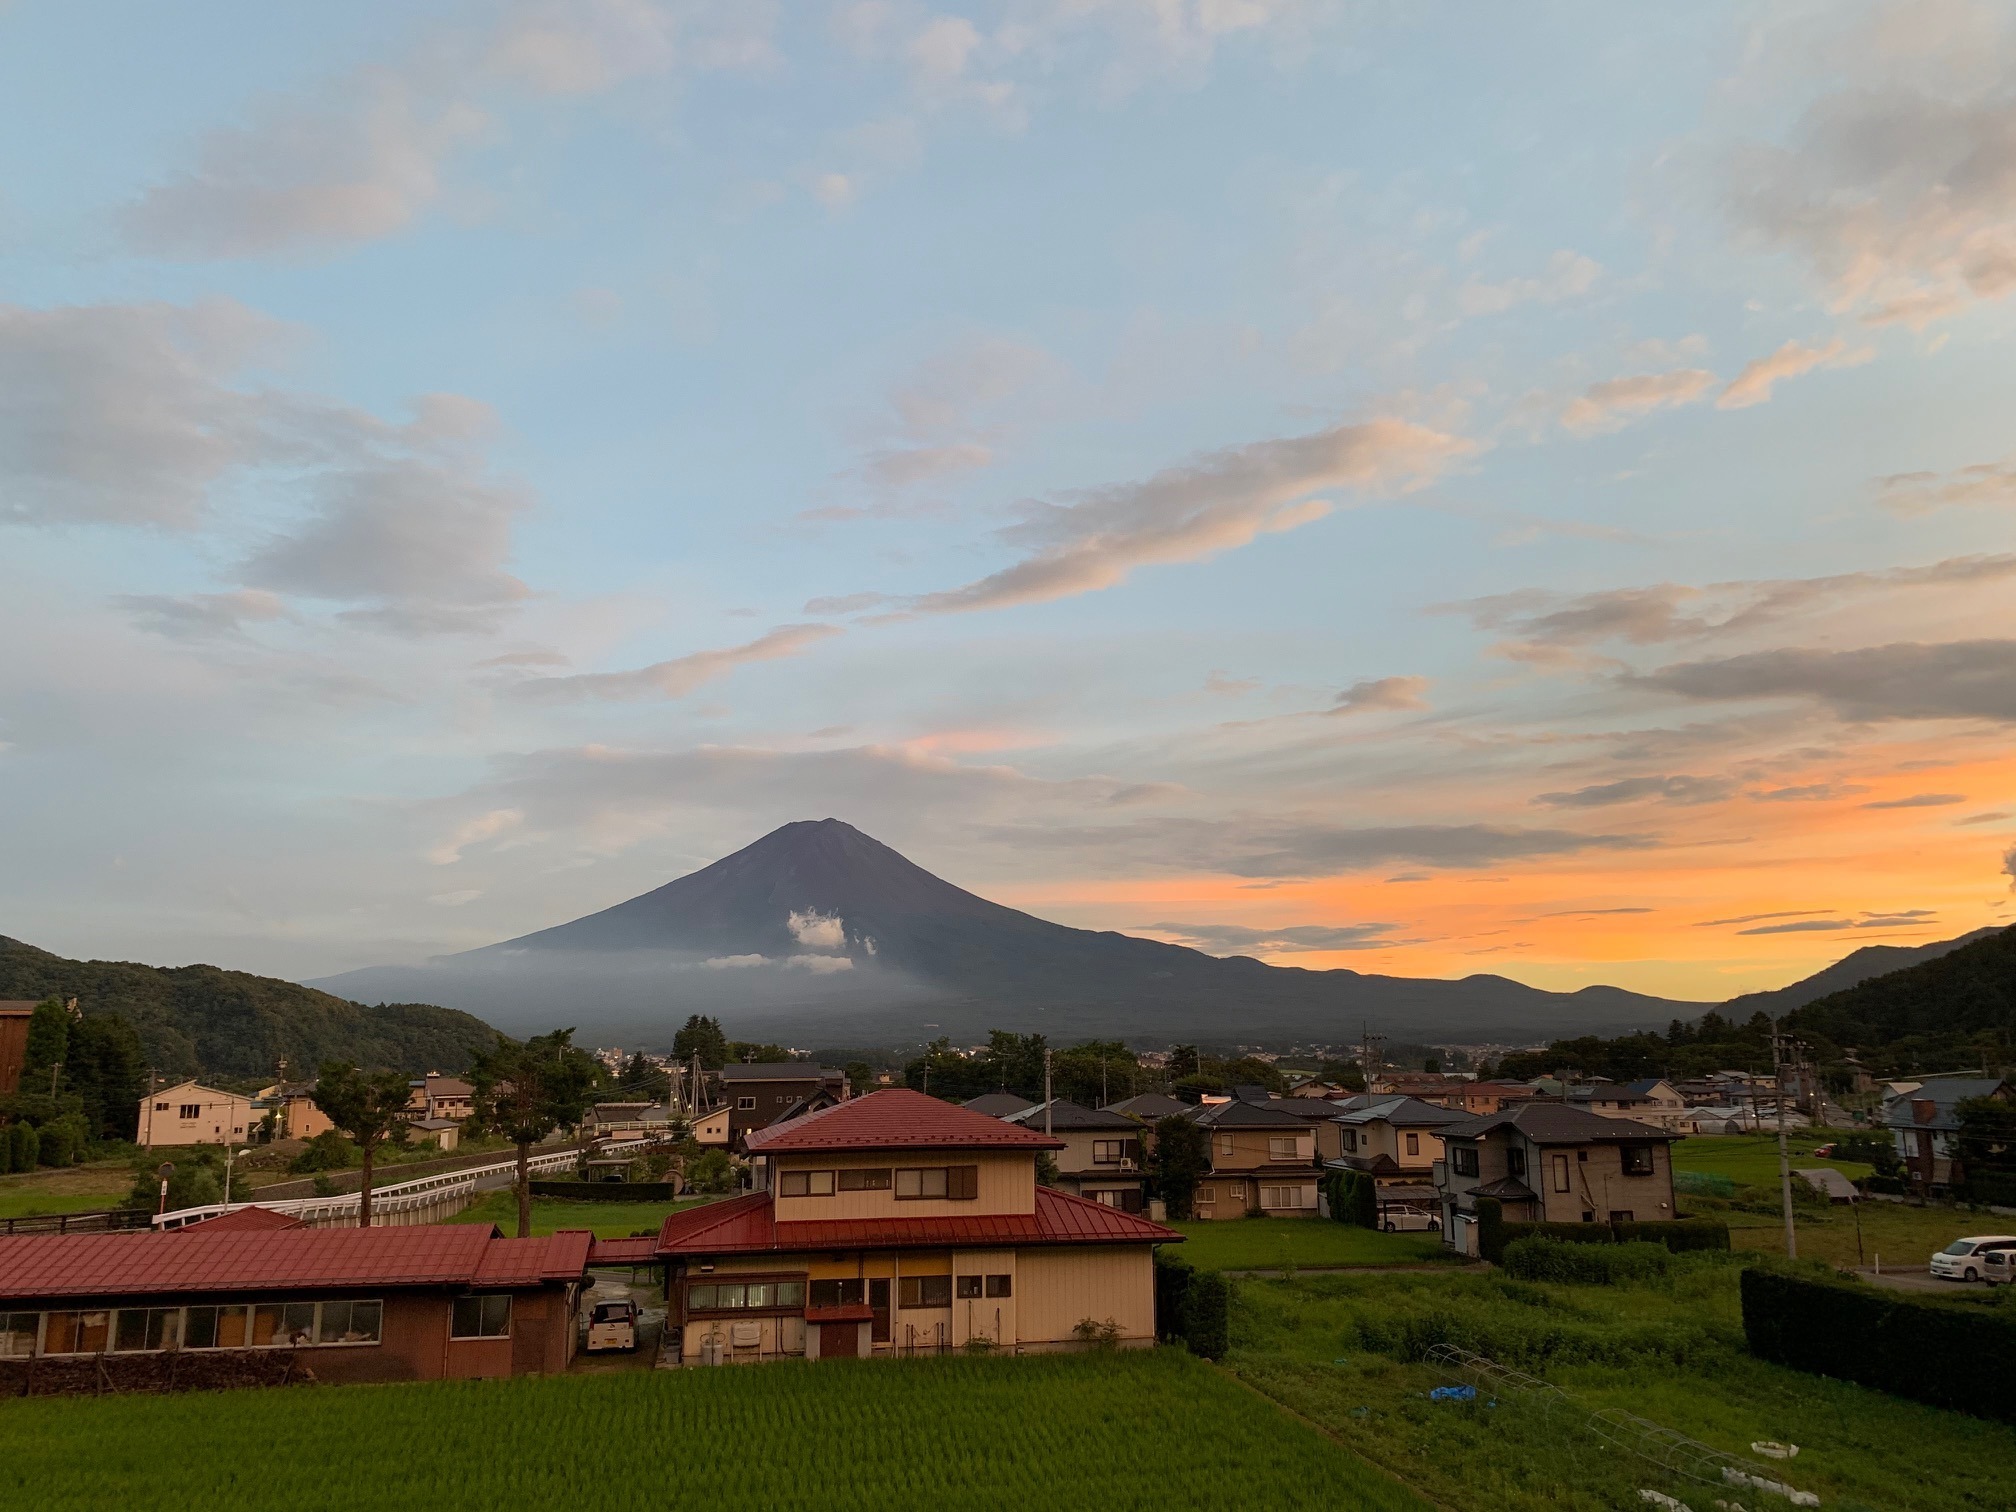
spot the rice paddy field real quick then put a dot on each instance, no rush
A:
(606, 1220)
(1151, 1430)
(1296, 1243)
(1346, 1351)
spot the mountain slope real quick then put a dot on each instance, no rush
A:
(200, 1019)
(819, 929)
(1952, 998)
(1855, 967)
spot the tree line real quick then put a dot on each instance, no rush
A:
(82, 1083)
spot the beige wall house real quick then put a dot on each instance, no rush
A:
(1553, 1163)
(1263, 1162)
(1101, 1158)
(1653, 1100)
(898, 1224)
(190, 1113)
(438, 1096)
(1396, 1140)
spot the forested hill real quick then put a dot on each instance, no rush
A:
(203, 1020)
(1965, 998)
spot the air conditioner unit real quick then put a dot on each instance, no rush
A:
(1129, 1165)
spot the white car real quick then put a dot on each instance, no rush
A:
(1998, 1267)
(612, 1326)
(1961, 1260)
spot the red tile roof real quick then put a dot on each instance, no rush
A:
(250, 1219)
(747, 1225)
(204, 1259)
(895, 1119)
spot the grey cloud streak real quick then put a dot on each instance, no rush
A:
(1905, 680)
(1676, 789)
(1238, 939)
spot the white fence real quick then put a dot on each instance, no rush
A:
(426, 1200)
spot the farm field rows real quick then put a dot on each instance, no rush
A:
(1150, 1430)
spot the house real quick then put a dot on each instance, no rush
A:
(712, 1130)
(1555, 1163)
(190, 1113)
(415, 1303)
(1656, 1100)
(445, 1132)
(761, 1092)
(1324, 1091)
(14, 1017)
(1394, 1140)
(293, 1107)
(438, 1096)
(1925, 1125)
(998, 1104)
(1101, 1158)
(894, 1223)
(1149, 1106)
(610, 1117)
(1428, 1085)
(1480, 1097)
(1263, 1162)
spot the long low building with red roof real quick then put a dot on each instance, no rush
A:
(896, 1223)
(422, 1302)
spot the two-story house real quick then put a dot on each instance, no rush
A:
(761, 1092)
(895, 1224)
(1101, 1158)
(1553, 1163)
(435, 1096)
(1395, 1140)
(1652, 1100)
(190, 1113)
(1263, 1162)
(1925, 1125)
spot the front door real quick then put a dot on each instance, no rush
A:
(838, 1340)
(878, 1299)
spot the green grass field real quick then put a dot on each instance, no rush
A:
(1154, 1431)
(607, 1220)
(1278, 1243)
(1345, 1351)
(73, 1189)
(1752, 1160)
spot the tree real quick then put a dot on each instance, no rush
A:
(860, 1076)
(107, 1071)
(713, 1172)
(1183, 1062)
(1181, 1158)
(370, 1107)
(525, 1092)
(48, 1037)
(643, 1082)
(701, 1036)
(743, 1052)
(1987, 1139)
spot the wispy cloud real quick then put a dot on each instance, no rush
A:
(679, 676)
(1615, 402)
(1792, 360)
(1380, 694)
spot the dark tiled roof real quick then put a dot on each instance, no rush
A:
(748, 1225)
(1505, 1189)
(776, 1071)
(1148, 1105)
(1556, 1123)
(896, 1119)
(1943, 1093)
(1070, 1115)
(997, 1104)
(1245, 1115)
(1403, 1113)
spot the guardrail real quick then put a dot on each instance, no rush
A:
(403, 1202)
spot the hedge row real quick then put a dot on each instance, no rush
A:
(1353, 1198)
(1585, 1264)
(1949, 1355)
(1192, 1307)
(1677, 1234)
(607, 1191)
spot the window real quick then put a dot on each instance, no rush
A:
(1582, 1155)
(190, 1110)
(1620, 1215)
(744, 1104)
(1282, 1148)
(1235, 1191)
(1560, 1164)
(1463, 1160)
(482, 1317)
(955, 1183)
(1515, 1161)
(147, 1328)
(833, 1293)
(349, 1322)
(1286, 1197)
(865, 1181)
(1351, 1140)
(17, 1334)
(1000, 1286)
(969, 1286)
(1588, 1217)
(1637, 1159)
(1112, 1151)
(924, 1291)
(1206, 1196)
(1413, 1144)
(160, 1107)
(805, 1184)
(1224, 1144)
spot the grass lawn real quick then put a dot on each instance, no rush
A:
(72, 1189)
(608, 1220)
(1278, 1243)
(1153, 1431)
(1344, 1350)
(1903, 1235)
(1752, 1159)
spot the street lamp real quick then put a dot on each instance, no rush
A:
(166, 1170)
(230, 1159)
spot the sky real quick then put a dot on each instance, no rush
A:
(1428, 489)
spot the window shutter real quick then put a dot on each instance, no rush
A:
(962, 1183)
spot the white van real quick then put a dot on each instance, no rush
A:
(1961, 1260)
(1998, 1267)
(612, 1326)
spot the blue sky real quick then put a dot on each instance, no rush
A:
(1480, 488)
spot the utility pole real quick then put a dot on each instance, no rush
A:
(1778, 1048)
(1046, 1093)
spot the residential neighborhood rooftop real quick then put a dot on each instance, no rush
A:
(1070, 1115)
(997, 1104)
(1556, 1123)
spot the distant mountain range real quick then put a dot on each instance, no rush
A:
(1851, 970)
(195, 1019)
(820, 934)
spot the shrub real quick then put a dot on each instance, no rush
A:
(1096, 1335)
(327, 1151)
(607, 1191)
(1541, 1259)
(1353, 1198)
(1207, 1311)
(1946, 1354)
(23, 1146)
(1677, 1235)
(1173, 1276)
(1491, 1235)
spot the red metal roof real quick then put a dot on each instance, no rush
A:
(895, 1119)
(747, 1225)
(203, 1259)
(250, 1219)
(624, 1251)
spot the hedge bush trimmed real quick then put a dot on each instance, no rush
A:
(1946, 1354)
(607, 1191)
(1192, 1307)
(1540, 1259)
(1677, 1234)
(1353, 1198)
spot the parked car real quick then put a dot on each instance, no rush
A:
(612, 1326)
(1961, 1260)
(1998, 1267)
(1396, 1216)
